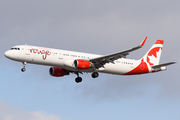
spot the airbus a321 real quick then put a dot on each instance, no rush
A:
(65, 62)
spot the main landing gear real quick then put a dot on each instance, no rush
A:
(95, 74)
(79, 79)
(24, 65)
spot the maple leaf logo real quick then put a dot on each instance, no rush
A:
(153, 56)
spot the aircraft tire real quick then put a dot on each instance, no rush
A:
(78, 79)
(95, 74)
(23, 69)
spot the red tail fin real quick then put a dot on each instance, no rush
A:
(152, 57)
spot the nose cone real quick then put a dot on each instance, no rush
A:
(7, 54)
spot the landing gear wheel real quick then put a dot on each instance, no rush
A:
(24, 65)
(78, 79)
(23, 69)
(95, 74)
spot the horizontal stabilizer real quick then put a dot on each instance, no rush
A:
(162, 65)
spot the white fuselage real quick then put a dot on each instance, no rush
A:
(64, 62)
(64, 59)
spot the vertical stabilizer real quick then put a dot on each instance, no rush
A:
(152, 57)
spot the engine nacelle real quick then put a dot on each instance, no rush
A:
(82, 64)
(58, 72)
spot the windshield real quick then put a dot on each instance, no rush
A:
(15, 48)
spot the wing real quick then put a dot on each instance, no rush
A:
(101, 61)
(162, 65)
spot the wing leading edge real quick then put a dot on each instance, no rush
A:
(101, 61)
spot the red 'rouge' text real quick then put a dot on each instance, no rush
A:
(44, 53)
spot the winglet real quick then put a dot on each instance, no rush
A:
(143, 42)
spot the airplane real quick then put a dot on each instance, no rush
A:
(65, 62)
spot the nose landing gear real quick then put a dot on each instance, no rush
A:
(24, 65)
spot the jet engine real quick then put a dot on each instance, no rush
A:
(82, 64)
(58, 72)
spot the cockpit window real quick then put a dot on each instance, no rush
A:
(15, 48)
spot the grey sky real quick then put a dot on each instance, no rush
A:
(101, 27)
(12, 113)
(85, 24)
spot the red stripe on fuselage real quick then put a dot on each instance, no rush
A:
(142, 68)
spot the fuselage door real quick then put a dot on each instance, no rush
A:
(60, 55)
(27, 50)
(142, 66)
